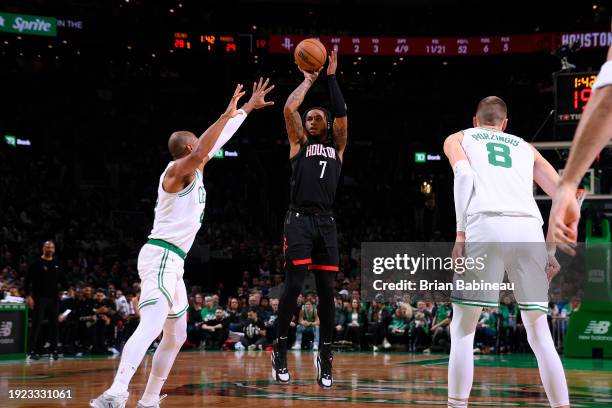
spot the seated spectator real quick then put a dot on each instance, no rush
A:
(87, 319)
(254, 336)
(270, 323)
(215, 331)
(68, 322)
(194, 320)
(379, 319)
(308, 322)
(440, 326)
(397, 332)
(420, 328)
(104, 311)
(340, 320)
(486, 330)
(233, 315)
(208, 311)
(356, 322)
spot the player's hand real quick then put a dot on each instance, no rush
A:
(232, 110)
(459, 247)
(552, 267)
(311, 76)
(333, 63)
(564, 217)
(258, 98)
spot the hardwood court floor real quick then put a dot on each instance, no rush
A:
(242, 379)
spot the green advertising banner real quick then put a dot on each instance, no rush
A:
(27, 24)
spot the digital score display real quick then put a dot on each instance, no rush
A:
(405, 46)
(572, 92)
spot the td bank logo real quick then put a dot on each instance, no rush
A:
(597, 327)
(5, 329)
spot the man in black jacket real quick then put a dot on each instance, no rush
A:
(41, 290)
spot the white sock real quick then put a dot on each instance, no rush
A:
(455, 403)
(461, 359)
(175, 334)
(148, 329)
(549, 363)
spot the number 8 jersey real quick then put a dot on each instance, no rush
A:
(503, 173)
(315, 172)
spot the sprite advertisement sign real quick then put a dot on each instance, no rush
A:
(27, 24)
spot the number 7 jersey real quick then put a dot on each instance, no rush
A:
(503, 173)
(315, 172)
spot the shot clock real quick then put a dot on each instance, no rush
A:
(572, 92)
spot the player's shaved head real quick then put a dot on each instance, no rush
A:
(491, 111)
(177, 144)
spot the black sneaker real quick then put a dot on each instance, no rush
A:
(324, 370)
(280, 372)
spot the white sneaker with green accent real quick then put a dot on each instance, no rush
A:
(107, 400)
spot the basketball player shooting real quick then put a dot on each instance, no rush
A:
(179, 213)
(310, 238)
(494, 204)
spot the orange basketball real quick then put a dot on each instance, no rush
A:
(310, 54)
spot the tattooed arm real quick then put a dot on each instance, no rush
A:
(293, 121)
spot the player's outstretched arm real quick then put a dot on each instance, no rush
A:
(592, 134)
(257, 101)
(184, 168)
(338, 106)
(293, 121)
(217, 135)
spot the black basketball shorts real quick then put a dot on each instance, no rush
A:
(311, 239)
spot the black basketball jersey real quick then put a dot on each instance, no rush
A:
(314, 178)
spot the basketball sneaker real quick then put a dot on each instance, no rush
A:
(107, 400)
(155, 405)
(323, 364)
(280, 372)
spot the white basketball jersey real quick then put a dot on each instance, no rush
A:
(503, 173)
(178, 216)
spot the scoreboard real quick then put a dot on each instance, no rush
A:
(572, 92)
(419, 46)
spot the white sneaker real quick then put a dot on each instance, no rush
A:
(252, 347)
(386, 344)
(315, 347)
(374, 348)
(296, 346)
(239, 346)
(107, 400)
(155, 405)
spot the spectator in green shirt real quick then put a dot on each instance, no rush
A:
(507, 314)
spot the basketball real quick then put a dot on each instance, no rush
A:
(310, 54)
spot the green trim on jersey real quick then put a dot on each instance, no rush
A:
(475, 303)
(179, 314)
(189, 189)
(167, 245)
(147, 303)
